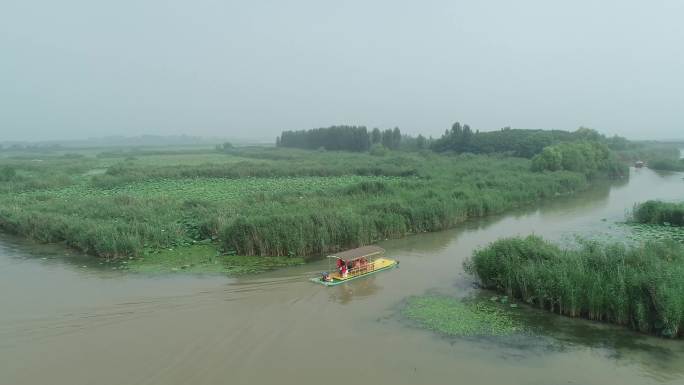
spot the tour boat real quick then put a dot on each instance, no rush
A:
(356, 263)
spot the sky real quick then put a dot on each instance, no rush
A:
(73, 69)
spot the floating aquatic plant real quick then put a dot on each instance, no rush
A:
(645, 232)
(454, 317)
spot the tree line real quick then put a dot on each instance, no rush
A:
(347, 138)
(460, 138)
(516, 142)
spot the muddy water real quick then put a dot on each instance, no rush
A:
(65, 321)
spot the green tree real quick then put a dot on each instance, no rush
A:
(376, 136)
(387, 138)
(334, 138)
(396, 138)
(584, 133)
(586, 157)
(421, 142)
(550, 159)
(466, 138)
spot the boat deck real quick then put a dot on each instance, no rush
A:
(377, 265)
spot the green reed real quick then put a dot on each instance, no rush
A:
(639, 287)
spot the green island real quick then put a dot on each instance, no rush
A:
(228, 208)
(638, 286)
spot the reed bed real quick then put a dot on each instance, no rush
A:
(641, 287)
(659, 213)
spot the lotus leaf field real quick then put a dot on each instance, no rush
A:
(642, 232)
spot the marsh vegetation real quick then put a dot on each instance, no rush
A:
(659, 213)
(641, 287)
(259, 201)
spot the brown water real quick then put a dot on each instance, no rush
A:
(62, 323)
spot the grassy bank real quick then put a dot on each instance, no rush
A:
(638, 287)
(258, 201)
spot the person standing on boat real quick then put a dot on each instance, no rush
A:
(342, 267)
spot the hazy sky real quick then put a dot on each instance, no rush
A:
(249, 69)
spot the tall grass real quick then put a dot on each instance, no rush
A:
(365, 213)
(638, 287)
(657, 212)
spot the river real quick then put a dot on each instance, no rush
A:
(64, 320)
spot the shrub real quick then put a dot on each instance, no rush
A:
(588, 158)
(378, 150)
(7, 173)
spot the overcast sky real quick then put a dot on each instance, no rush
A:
(248, 69)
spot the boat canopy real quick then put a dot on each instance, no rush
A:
(361, 252)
